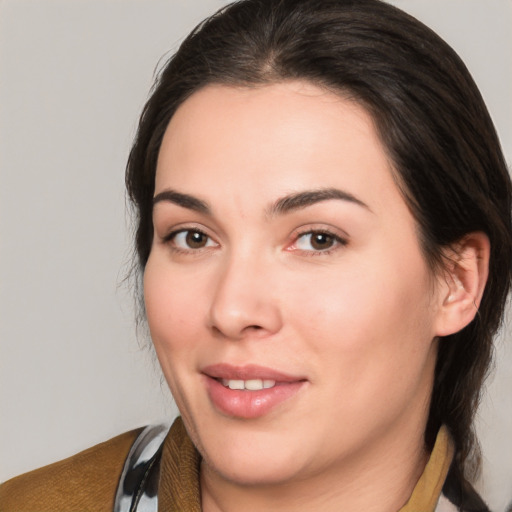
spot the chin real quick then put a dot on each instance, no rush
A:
(254, 471)
(252, 458)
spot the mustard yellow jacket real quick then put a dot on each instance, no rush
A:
(89, 480)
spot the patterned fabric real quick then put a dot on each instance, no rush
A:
(439, 489)
(137, 490)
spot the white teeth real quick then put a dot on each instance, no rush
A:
(254, 384)
(249, 385)
(236, 384)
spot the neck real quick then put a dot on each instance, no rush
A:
(381, 477)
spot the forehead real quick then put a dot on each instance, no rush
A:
(277, 139)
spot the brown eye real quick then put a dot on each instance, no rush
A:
(317, 241)
(321, 241)
(188, 239)
(196, 239)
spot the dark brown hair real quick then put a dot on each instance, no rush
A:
(431, 119)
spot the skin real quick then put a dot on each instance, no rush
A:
(357, 316)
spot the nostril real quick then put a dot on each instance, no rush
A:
(234, 315)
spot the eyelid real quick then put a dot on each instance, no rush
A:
(176, 230)
(170, 231)
(341, 239)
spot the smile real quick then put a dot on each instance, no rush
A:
(248, 392)
(249, 385)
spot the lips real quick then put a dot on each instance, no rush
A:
(250, 391)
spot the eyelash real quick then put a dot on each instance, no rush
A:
(337, 241)
(168, 239)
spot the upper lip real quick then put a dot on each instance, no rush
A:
(247, 372)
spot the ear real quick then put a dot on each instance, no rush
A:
(462, 283)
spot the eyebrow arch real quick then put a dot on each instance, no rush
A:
(183, 200)
(307, 198)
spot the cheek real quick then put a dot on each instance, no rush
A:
(368, 337)
(372, 318)
(172, 305)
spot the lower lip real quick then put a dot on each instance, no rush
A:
(249, 404)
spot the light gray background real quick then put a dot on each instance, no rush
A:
(73, 78)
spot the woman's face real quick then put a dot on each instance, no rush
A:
(285, 262)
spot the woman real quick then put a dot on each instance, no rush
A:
(324, 235)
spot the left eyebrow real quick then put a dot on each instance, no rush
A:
(183, 200)
(300, 200)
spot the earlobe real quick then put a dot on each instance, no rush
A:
(463, 282)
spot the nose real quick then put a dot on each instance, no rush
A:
(244, 302)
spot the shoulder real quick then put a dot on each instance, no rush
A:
(85, 481)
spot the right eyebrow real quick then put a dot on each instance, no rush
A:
(183, 200)
(301, 200)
